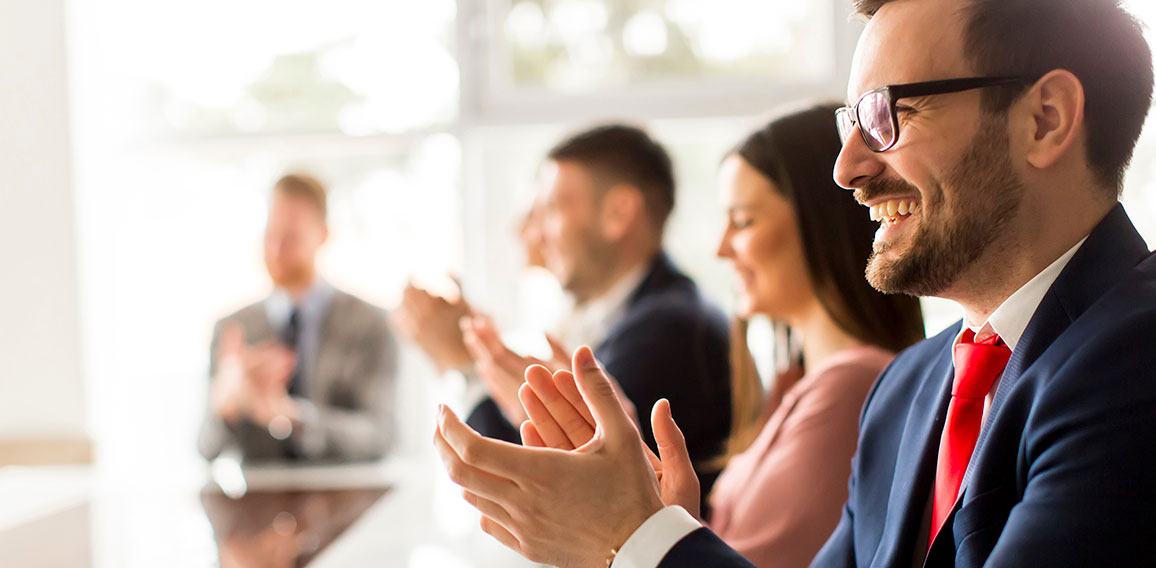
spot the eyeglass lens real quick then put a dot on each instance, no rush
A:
(875, 121)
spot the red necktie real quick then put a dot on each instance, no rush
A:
(976, 367)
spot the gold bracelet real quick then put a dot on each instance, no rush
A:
(610, 559)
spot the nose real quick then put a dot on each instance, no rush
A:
(725, 250)
(856, 163)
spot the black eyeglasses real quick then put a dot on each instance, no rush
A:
(874, 112)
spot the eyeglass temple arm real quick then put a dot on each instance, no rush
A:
(949, 86)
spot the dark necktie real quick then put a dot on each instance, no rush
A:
(976, 367)
(291, 338)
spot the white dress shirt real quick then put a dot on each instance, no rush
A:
(311, 311)
(650, 543)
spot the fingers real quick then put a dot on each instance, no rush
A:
(564, 382)
(416, 300)
(598, 392)
(530, 436)
(502, 356)
(487, 507)
(544, 423)
(493, 457)
(554, 410)
(503, 369)
(419, 306)
(474, 479)
(492, 528)
(470, 338)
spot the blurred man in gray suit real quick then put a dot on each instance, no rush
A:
(309, 372)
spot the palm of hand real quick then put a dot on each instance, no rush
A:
(560, 418)
(566, 508)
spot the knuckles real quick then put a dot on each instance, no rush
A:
(458, 472)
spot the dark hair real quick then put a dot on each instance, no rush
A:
(304, 187)
(618, 153)
(1098, 41)
(797, 152)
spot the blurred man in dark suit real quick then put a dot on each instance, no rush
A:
(610, 190)
(307, 373)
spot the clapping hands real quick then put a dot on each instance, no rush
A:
(559, 417)
(432, 322)
(501, 369)
(584, 481)
(252, 382)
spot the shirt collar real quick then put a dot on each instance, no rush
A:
(312, 305)
(594, 318)
(1011, 318)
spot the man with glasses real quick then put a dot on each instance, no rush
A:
(990, 139)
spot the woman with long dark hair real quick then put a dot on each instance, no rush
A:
(799, 245)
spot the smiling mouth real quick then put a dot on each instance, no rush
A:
(893, 211)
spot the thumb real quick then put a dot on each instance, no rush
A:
(598, 392)
(678, 477)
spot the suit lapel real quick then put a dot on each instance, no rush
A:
(1112, 249)
(327, 359)
(661, 275)
(1048, 323)
(915, 466)
(256, 325)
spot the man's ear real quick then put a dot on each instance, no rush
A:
(1053, 113)
(622, 206)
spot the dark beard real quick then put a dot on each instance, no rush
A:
(986, 195)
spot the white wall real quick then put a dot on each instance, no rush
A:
(40, 378)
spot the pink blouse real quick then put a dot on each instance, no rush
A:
(778, 501)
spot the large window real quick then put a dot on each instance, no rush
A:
(428, 119)
(183, 124)
(590, 45)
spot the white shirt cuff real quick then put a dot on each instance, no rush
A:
(657, 536)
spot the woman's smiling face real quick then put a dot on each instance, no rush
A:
(762, 242)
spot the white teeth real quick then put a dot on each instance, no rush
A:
(890, 211)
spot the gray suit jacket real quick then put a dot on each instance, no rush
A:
(348, 413)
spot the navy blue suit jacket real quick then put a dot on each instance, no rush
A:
(669, 343)
(1064, 473)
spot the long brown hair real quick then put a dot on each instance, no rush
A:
(797, 153)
